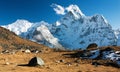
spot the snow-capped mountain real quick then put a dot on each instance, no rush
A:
(39, 32)
(73, 31)
(19, 26)
(78, 32)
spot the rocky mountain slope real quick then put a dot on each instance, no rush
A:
(10, 41)
(73, 31)
(118, 41)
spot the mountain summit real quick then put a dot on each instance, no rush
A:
(19, 26)
(73, 31)
(74, 9)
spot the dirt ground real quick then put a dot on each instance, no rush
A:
(54, 62)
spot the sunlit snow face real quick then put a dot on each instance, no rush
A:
(74, 30)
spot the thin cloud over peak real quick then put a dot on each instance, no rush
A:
(60, 10)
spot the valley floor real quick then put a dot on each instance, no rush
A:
(54, 62)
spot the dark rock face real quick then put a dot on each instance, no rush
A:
(36, 61)
(93, 45)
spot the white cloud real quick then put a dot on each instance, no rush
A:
(58, 9)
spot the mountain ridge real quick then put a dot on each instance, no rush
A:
(73, 31)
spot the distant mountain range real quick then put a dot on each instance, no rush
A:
(73, 31)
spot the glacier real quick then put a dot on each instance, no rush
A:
(72, 31)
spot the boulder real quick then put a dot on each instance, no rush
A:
(93, 45)
(36, 61)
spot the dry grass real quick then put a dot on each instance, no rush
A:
(52, 63)
(9, 40)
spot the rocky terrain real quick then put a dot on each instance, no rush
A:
(16, 57)
(65, 61)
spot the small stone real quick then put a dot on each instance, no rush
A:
(57, 61)
(35, 51)
(27, 51)
(61, 60)
(1, 53)
(7, 63)
(5, 51)
(68, 63)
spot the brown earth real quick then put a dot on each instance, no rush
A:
(54, 62)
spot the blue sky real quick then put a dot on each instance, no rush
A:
(37, 10)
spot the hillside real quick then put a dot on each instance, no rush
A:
(10, 41)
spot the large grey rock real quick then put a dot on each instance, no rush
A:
(36, 61)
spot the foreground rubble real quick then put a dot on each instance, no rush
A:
(91, 60)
